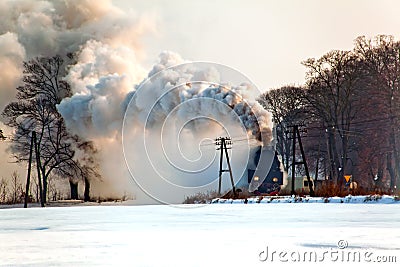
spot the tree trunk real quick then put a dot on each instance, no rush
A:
(335, 157)
(45, 185)
(344, 159)
(38, 164)
(332, 155)
(393, 140)
(37, 194)
(86, 195)
(391, 171)
(396, 170)
(28, 178)
(74, 189)
(378, 183)
(287, 155)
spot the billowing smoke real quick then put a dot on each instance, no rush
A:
(155, 126)
(168, 123)
(45, 28)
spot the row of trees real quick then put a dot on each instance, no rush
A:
(12, 190)
(40, 136)
(349, 107)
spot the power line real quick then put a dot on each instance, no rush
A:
(352, 123)
(232, 139)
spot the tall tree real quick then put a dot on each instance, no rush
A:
(333, 88)
(288, 108)
(35, 110)
(381, 57)
(89, 164)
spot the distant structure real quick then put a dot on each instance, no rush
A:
(258, 178)
(273, 181)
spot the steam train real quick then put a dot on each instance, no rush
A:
(269, 182)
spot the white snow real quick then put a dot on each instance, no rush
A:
(194, 235)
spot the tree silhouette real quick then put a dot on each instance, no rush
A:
(35, 111)
(333, 91)
(381, 58)
(287, 105)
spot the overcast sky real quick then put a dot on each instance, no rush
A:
(265, 39)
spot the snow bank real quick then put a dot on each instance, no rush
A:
(378, 199)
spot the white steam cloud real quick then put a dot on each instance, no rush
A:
(170, 114)
(167, 118)
(32, 28)
(45, 28)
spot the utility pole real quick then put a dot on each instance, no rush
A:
(38, 164)
(296, 135)
(28, 178)
(222, 144)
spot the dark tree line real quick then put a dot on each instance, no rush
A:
(34, 114)
(349, 106)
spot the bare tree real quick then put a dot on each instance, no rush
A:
(287, 106)
(3, 183)
(381, 57)
(333, 87)
(16, 188)
(3, 190)
(35, 110)
(34, 189)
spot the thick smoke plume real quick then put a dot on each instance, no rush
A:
(45, 28)
(157, 126)
(83, 28)
(175, 109)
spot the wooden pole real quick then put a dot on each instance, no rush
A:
(310, 184)
(220, 165)
(28, 178)
(230, 169)
(38, 168)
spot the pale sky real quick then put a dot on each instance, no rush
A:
(266, 40)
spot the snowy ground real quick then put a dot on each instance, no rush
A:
(211, 235)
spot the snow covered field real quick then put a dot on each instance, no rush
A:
(194, 235)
